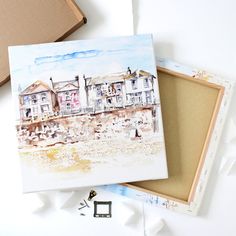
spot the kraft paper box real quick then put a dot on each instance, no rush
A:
(35, 21)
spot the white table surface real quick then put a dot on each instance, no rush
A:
(197, 33)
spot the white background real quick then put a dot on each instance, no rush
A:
(199, 33)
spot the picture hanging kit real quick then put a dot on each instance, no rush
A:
(92, 194)
(83, 205)
(102, 209)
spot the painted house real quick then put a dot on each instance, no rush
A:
(105, 92)
(37, 101)
(67, 95)
(120, 90)
(139, 87)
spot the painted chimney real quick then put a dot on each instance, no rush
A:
(77, 79)
(128, 71)
(85, 80)
(52, 82)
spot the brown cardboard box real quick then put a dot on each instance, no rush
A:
(35, 21)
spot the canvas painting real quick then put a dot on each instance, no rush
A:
(87, 113)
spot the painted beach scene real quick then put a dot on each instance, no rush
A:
(87, 112)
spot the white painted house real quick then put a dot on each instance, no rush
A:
(105, 92)
(139, 87)
(68, 95)
(120, 90)
(37, 101)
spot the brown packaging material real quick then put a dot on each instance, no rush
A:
(35, 21)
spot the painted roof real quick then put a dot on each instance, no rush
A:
(66, 85)
(37, 87)
(138, 73)
(145, 73)
(116, 77)
(111, 78)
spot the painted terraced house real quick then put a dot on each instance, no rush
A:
(103, 93)
(139, 88)
(37, 101)
(67, 95)
(120, 90)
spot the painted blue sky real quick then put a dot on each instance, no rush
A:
(65, 60)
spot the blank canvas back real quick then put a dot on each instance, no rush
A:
(35, 21)
(187, 109)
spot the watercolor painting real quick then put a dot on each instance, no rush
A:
(87, 112)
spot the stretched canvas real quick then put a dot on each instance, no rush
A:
(87, 113)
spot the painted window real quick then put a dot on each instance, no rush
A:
(109, 101)
(26, 100)
(35, 110)
(98, 103)
(118, 88)
(99, 90)
(104, 88)
(44, 97)
(134, 84)
(68, 106)
(34, 99)
(119, 99)
(145, 83)
(132, 98)
(28, 112)
(68, 96)
(138, 97)
(75, 97)
(45, 108)
(148, 97)
(110, 90)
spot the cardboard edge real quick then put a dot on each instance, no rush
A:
(81, 21)
(76, 10)
(129, 185)
(7, 79)
(206, 144)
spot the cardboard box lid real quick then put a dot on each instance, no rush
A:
(35, 21)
